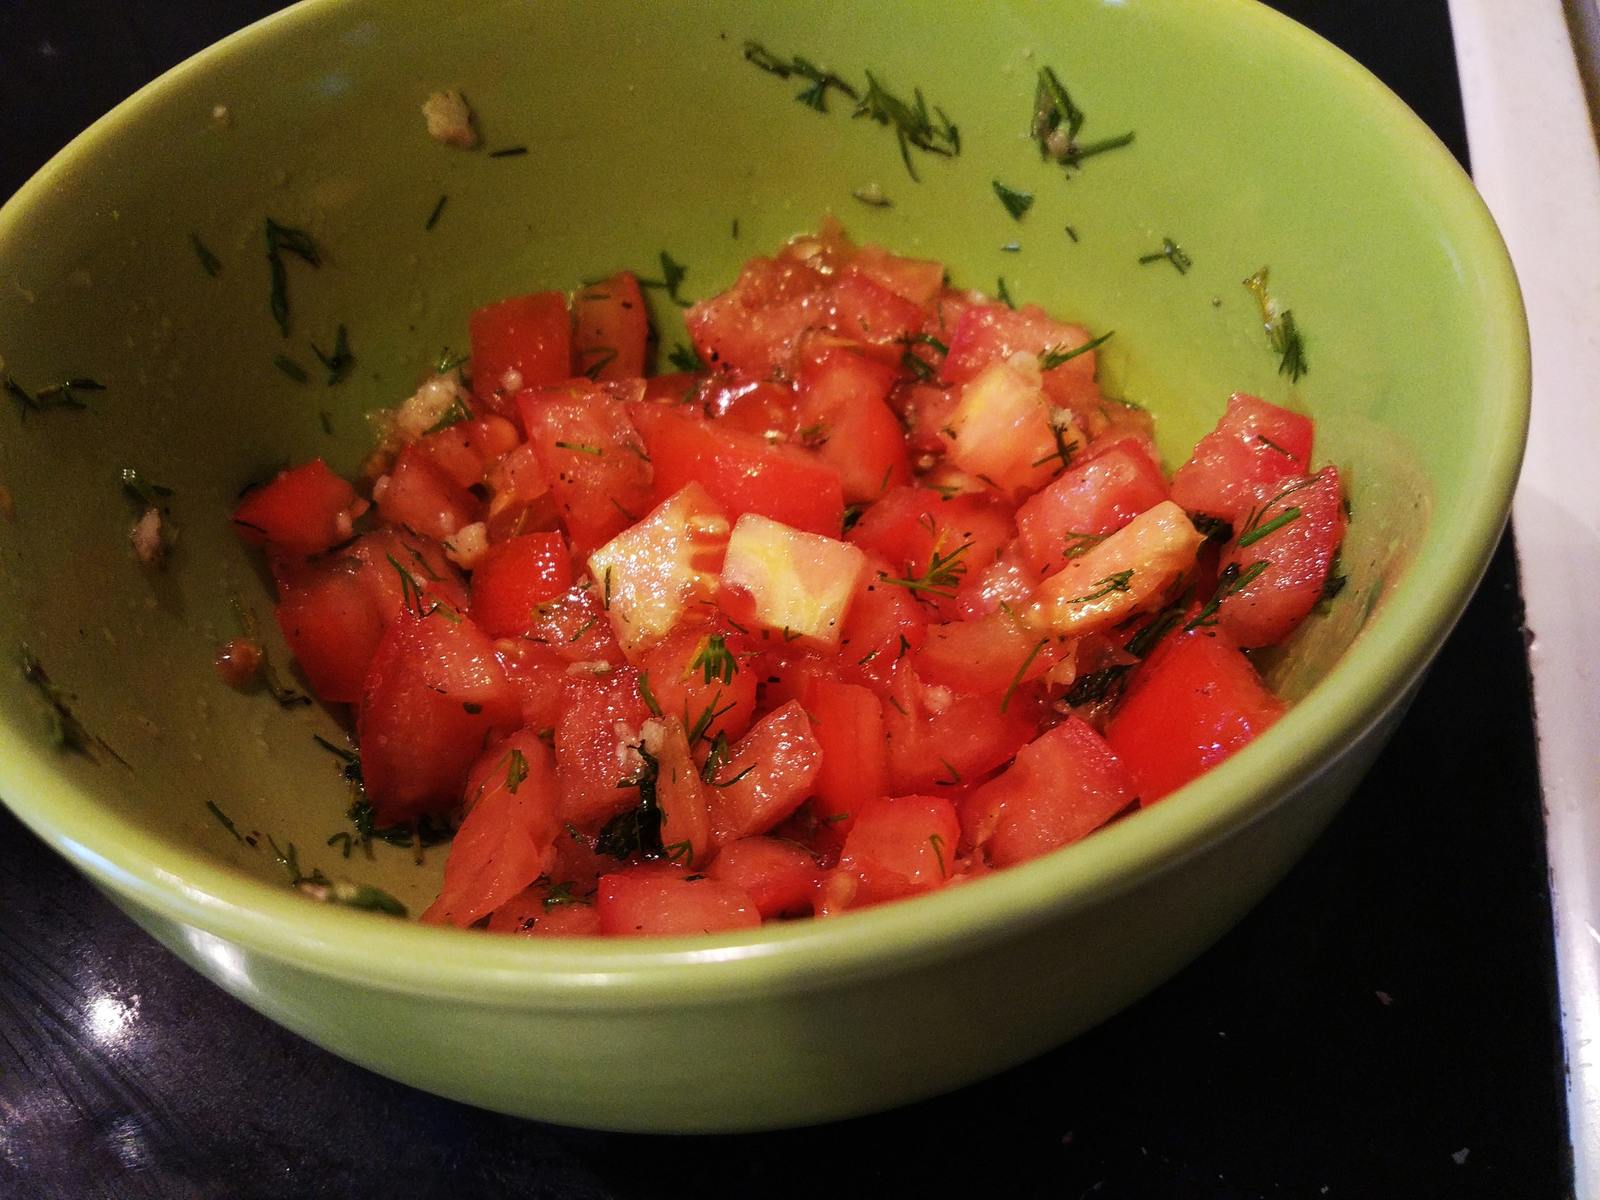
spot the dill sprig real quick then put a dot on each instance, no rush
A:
(1057, 122)
(1172, 253)
(815, 94)
(1283, 334)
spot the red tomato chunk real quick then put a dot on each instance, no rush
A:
(883, 597)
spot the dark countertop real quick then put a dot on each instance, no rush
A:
(1384, 1025)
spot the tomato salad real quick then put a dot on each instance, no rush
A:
(881, 595)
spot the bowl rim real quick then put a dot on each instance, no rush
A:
(1370, 679)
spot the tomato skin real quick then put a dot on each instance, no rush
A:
(527, 337)
(1192, 703)
(847, 720)
(600, 713)
(766, 777)
(1097, 496)
(527, 914)
(303, 511)
(515, 576)
(655, 900)
(592, 457)
(417, 495)
(680, 795)
(332, 626)
(1063, 786)
(900, 846)
(742, 472)
(991, 654)
(434, 693)
(779, 877)
(883, 625)
(859, 307)
(753, 326)
(918, 280)
(537, 672)
(1253, 445)
(939, 739)
(610, 328)
(574, 627)
(842, 398)
(504, 843)
(463, 452)
(1298, 556)
(750, 405)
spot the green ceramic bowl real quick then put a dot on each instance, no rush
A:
(1256, 145)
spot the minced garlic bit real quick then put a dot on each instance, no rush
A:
(467, 545)
(148, 537)
(221, 116)
(450, 120)
(433, 403)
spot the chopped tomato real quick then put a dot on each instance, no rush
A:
(701, 676)
(992, 333)
(779, 877)
(784, 581)
(1086, 502)
(434, 694)
(504, 844)
(653, 572)
(663, 901)
(847, 721)
(542, 911)
(742, 472)
(463, 452)
(610, 328)
(593, 458)
(766, 777)
(302, 511)
(1253, 445)
(899, 846)
(845, 420)
(1280, 561)
(596, 744)
(417, 495)
(1191, 704)
(514, 578)
(1062, 787)
(685, 830)
(523, 342)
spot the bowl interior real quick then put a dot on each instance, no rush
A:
(1255, 146)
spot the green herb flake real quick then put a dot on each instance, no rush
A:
(1172, 253)
(1283, 335)
(1016, 680)
(1057, 121)
(1003, 293)
(942, 577)
(1252, 536)
(509, 152)
(291, 368)
(647, 695)
(146, 493)
(673, 274)
(282, 240)
(339, 360)
(225, 821)
(714, 660)
(581, 448)
(1016, 202)
(1110, 585)
(57, 395)
(1053, 356)
(516, 770)
(815, 95)
(209, 263)
(435, 214)
(685, 359)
